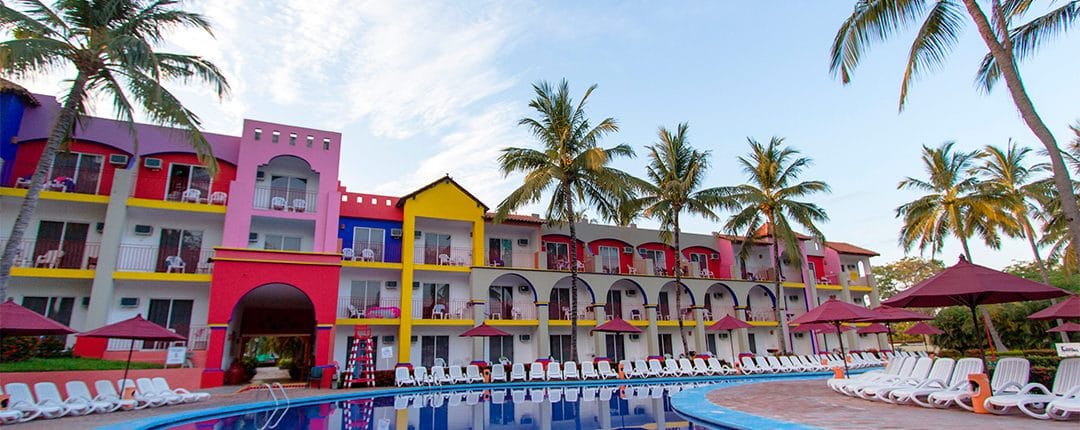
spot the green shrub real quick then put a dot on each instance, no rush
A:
(52, 347)
(18, 348)
(1043, 375)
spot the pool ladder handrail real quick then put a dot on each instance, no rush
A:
(274, 419)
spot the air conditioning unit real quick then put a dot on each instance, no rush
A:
(793, 298)
(634, 336)
(118, 159)
(799, 335)
(85, 302)
(391, 285)
(722, 335)
(388, 339)
(642, 251)
(129, 302)
(718, 295)
(414, 339)
(524, 337)
(143, 230)
(153, 163)
(100, 227)
(260, 175)
(416, 285)
(253, 237)
(631, 293)
(628, 250)
(523, 288)
(714, 256)
(395, 233)
(418, 234)
(523, 242)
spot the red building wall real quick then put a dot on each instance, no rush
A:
(561, 238)
(29, 153)
(713, 265)
(669, 252)
(624, 258)
(152, 183)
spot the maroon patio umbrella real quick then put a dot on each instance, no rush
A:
(888, 315)
(483, 330)
(874, 328)
(136, 328)
(1065, 328)
(923, 328)
(971, 285)
(16, 320)
(616, 325)
(820, 328)
(730, 324)
(1065, 309)
(835, 312)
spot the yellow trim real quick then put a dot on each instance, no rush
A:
(42, 272)
(830, 287)
(793, 285)
(159, 276)
(368, 321)
(764, 323)
(56, 195)
(566, 323)
(861, 288)
(443, 268)
(371, 265)
(420, 322)
(639, 323)
(279, 251)
(513, 323)
(666, 323)
(259, 260)
(542, 303)
(217, 325)
(175, 206)
(324, 325)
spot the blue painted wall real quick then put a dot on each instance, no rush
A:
(393, 246)
(11, 113)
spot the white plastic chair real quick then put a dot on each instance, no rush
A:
(299, 205)
(700, 368)
(570, 370)
(498, 373)
(163, 386)
(641, 368)
(439, 376)
(655, 369)
(107, 392)
(686, 368)
(348, 254)
(920, 371)
(588, 371)
(367, 255)
(517, 372)
(48, 394)
(536, 372)
(23, 401)
(219, 198)
(444, 260)
(629, 371)
(174, 262)
(1033, 398)
(147, 388)
(604, 369)
(402, 377)
(959, 380)
(190, 195)
(748, 367)
(278, 203)
(938, 378)
(630, 269)
(79, 390)
(50, 258)
(554, 371)
(718, 368)
(671, 368)
(472, 374)
(438, 311)
(457, 375)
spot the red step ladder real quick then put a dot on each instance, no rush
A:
(360, 367)
(358, 414)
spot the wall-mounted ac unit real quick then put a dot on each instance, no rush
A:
(253, 237)
(634, 336)
(129, 302)
(714, 256)
(722, 335)
(85, 302)
(631, 293)
(100, 227)
(260, 175)
(719, 295)
(523, 242)
(628, 250)
(793, 298)
(387, 339)
(395, 233)
(153, 163)
(524, 337)
(799, 335)
(418, 234)
(143, 230)
(118, 159)
(391, 285)
(416, 285)
(414, 339)
(523, 288)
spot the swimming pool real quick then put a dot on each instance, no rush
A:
(571, 405)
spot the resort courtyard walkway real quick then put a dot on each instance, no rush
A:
(812, 403)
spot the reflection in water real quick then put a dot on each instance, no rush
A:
(549, 408)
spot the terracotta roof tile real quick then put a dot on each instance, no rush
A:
(516, 218)
(847, 248)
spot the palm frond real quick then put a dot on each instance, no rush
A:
(872, 21)
(1027, 38)
(934, 41)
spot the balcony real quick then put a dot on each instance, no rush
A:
(198, 337)
(193, 192)
(368, 307)
(143, 258)
(372, 252)
(452, 309)
(443, 256)
(666, 315)
(627, 312)
(519, 310)
(556, 312)
(718, 312)
(285, 199)
(769, 315)
(68, 180)
(516, 259)
(55, 254)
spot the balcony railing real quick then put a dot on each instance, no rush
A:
(520, 310)
(717, 312)
(198, 337)
(54, 254)
(563, 312)
(287, 200)
(629, 312)
(769, 315)
(368, 307)
(666, 315)
(81, 181)
(455, 309)
(516, 259)
(196, 192)
(374, 252)
(443, 256)
(145, 258)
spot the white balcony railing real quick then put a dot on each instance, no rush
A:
(144, 258)
(516, 259)
(55, 254)
(455, 309)
(443, 256)
(198, 337)
(366, 307)
(518, 310)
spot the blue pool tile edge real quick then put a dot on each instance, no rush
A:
(695, 406)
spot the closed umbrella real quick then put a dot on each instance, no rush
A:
(136, 328)
(888, 315)
(730, 324)
(968, 284)
(923, 328)
(835, 312)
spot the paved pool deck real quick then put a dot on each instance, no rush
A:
(804, 404)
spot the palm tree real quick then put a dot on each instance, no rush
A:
(110, 45)
(676, 172)
(955, 204)
(571, 165)
(769, 200)
(1008, 38)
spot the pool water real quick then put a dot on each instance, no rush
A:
(631, 406)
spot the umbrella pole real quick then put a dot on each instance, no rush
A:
(891, 346)
(731, 343)
(975, 323)
(131, 348)
(843, 356)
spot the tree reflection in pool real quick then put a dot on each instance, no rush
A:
(582, 407)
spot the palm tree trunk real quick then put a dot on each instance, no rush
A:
(1002, 51)
(573, 272)
(994, 336)
(678, 282)
(65, 120)
(1030, 233)
(778, 293)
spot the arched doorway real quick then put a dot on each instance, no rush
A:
(275, 324)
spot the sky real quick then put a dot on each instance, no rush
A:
(420, 89)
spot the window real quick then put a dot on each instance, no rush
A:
(310, 141)
(663, 309)
(365, 293)
(436, 244)
(665, 345)
(292, 139)
(291, 189)
(710, 344)
(171, 314)
(326, 144)
(500, 347)
(61, 245)
(558, 255)
(55, 308)
(183, 177)
(500, 301)
(614, 306)
(560, 347)
(258, 133)
(185, 244)
(436, 295)
(559, 304)
(500, 252)
(432, 347)
(616, 347)
(657, 257)
(274, 136)
(701, 259)
(609, 259)
(366, 238)
(82, 170)
(283, 243)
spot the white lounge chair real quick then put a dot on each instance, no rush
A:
(656, 369)
(686, 368)
(517, 372)
(588, 371)
(48, 393)
(536, 372)
(959, 380)
(107, 392)
(719, 368)
(570, 371)
(402, 377)
(472, 374)
(1010, 375)
(630, 371)
(163, 385)
(701, 368)
(437, 376)
(939, 377)
(763, 364)
(498, 373)
(571, 394)
(810, 364)
(554, 371)
(1033, 398)
(919, 372)
(849, 385)
(748, 367)
(604, 369)
(79, 391)
(1066, 407)
(671, 368)
(457, 375)
(147, 388)
(11, 416)
(21, 400)
(775, 364)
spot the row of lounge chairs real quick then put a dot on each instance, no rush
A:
(805, 363)
(943, 382)
(535, 395)
(46, 401)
